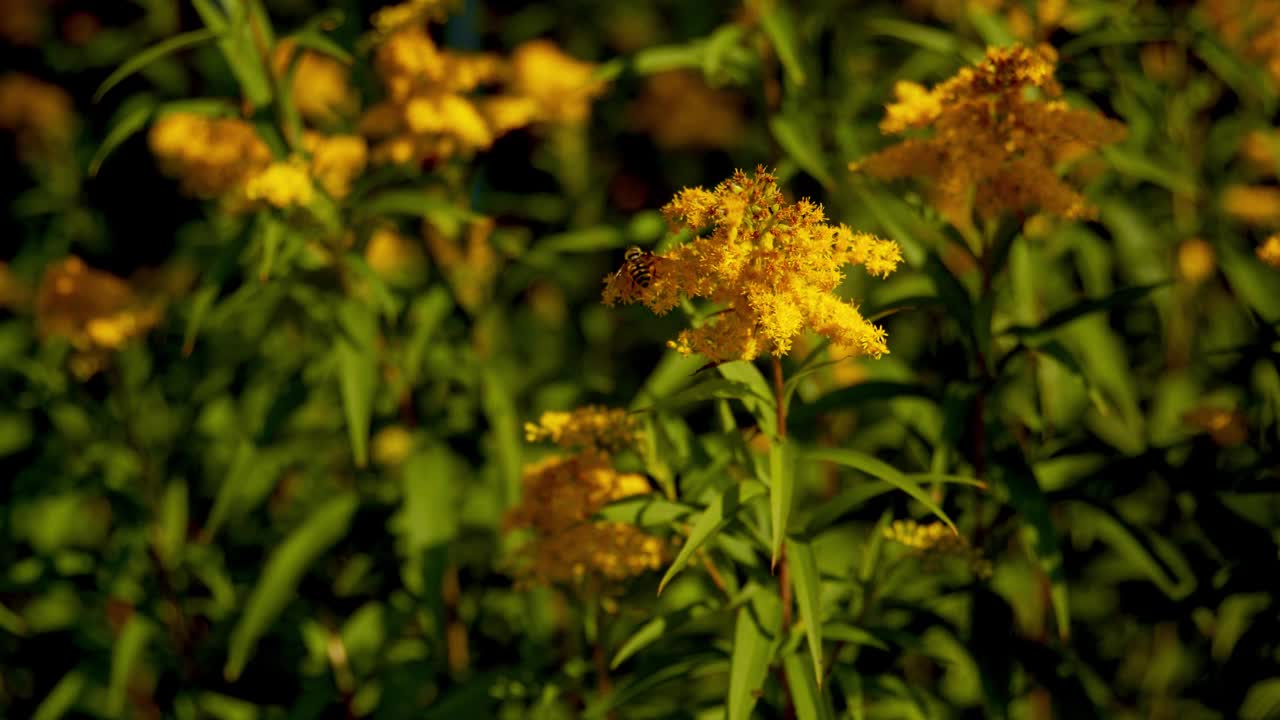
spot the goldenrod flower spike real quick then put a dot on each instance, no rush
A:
(1269, 251)
(770, 264)
(992, 149)
(590, 427)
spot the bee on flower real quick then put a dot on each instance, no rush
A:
(771, 266)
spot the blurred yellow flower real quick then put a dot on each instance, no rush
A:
(680, 110)
(1195, 260)
(1253, 204)
(1163, 61)
(992, 148)
(1250, 27)
(1261, 150)
(282, 184)
(23, 22)
(39, 114)
(771, 266)
(210, 156)
(590, 427)
(559, 499)
(414, 12)
(336, 160)
(94, 310)
(396, 259)
(321, 87)
(391, 445)
(561, 85)
(1269, 251)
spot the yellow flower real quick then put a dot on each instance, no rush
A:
(561, 85)
(336, 160)
(590, 427)
(771, 266)
(391, 445)
(321, 87)
(1250, 27)
(1261, 151)
(282, 184)
(992, 148)
(1195, 260)
(1253, 204)
(560, 497)
(394, 257)
(210, 156)
(1269, 251)
(94, 310)
(23, 22)
(37, 113)
(414, 12)
(681, 111)
(934, 541)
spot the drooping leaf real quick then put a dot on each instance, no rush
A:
(61, 698)
(882, 470)
(718, 514)
(1119, 298)
(132, 116)
(278, 583)
(151, 54)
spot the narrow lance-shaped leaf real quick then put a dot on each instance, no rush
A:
(755, 638)
(124, 658)
(151, 54)
(808, 587)
(877, 468)
(806, 692)
(357, 372)
(284, 570)
(61, 698)
(132, 117)
(716, 516)
(1029, 500)
(781, 491)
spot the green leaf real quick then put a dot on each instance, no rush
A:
(284, 570)
(808, 587)
(929, 38)
(806, 693)
(847, 633)
(882, 470)
(1119, 298)
(357, 372)
(1253, 282)
(1125, 541)
(709, 389)
(151, 54)
(901, 221)
(430, 508)
(648, 510)
(132, 117)
(781, 490)
(579, 241)
(844, 502)
(780, 26)
(755, 638)
(1140, 164)
(415, 202)
(124, 659)
(238, 39)
(61, 698)
(1262, 701)
(711, 521)
(855, 395)
(1029, 500)
(172, 526)
(312, 39)
(955, 298)
(499, 407)
(802, 145)
(650, 632)
(761, 402)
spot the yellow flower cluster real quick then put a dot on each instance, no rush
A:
(588, 427)
(414, 12)
(336, 160)
(225, 158)
(771, 265)
(396, 259)
(1250, 27)
(679, 110)
(431, 111)
(210, 156)
(282, 184)
(560, 496)
(992, 148)
(321, 86)
(1253, 204)
(934, 541)
(1269, 251)
(37, 113)
(95, 311)
(1195, 260)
